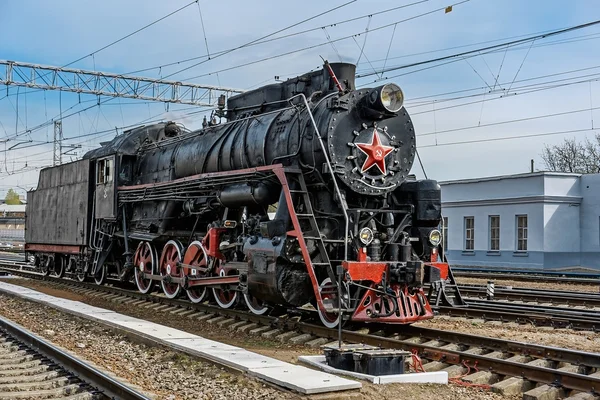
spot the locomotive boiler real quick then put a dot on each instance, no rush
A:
(300, 198)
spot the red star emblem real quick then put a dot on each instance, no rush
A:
(375, 152)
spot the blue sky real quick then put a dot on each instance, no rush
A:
(58, 32)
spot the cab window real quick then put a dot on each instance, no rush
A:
(104, 171)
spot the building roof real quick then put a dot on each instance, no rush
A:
(12, 208)
(513, 176)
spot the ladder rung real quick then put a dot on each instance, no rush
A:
(312, 238)
(298, 191)
(321, 263)
(305, 215)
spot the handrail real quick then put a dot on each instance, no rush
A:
(344, 209)
(337, 188)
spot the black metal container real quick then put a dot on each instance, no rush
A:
(380, 362)
(343, 358)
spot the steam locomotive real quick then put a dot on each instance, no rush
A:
(301, 198)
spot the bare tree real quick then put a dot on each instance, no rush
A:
(571, 156)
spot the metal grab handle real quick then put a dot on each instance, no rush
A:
(337, 188)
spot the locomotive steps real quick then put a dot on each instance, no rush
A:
(502, 364)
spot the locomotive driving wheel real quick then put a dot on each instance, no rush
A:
(145, 260)
(171, 255)
(255, 305)
(225, 298)
(196, 262)
(330, 320)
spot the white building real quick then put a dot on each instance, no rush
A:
(538, 220)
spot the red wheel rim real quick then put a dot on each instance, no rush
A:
(330, 320)
(171, 255)
(225, 298)
(144, 260)
(196, 257)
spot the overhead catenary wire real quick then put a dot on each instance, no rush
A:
(314, 46)
(266, 39)
(502, 95)
(451, 61)
(580, 38)
(507, 48)
(48, 122)
(414, 102)
(125, 37)
(216, 55)
(506, 95)
(552, 115)
(487, 48)
(515, 137)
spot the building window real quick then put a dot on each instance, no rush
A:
(494, 233)
(469, 233)
(521, 232)
(445, 234)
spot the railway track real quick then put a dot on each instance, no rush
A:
(585, 299)
(506, 366)
(524, 276)
(31, 367)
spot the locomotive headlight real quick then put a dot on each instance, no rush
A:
(392, 97)
(435, 237)
(385, 99)
(366, 236)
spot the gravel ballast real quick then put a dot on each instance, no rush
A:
(173, 375)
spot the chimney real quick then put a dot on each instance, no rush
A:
(532, 165)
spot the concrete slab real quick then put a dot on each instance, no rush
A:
(145, 328)
(321, 363)
(304, 380)
(299, 378)
(16, 289)
(243, 360)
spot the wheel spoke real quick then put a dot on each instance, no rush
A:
(145, 263)
(171, 255)
(195, 256)
(224, 298)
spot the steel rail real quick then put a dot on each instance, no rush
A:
(568, 380)
(537, 295)
(493, 311)
(539, 277)
(576, 357)
(523, 315)
(390, 337)
(93, 377)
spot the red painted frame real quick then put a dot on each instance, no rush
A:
(443, 267)
(53, 248)
(360, 270)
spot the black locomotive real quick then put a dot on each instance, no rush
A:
(303, 196)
